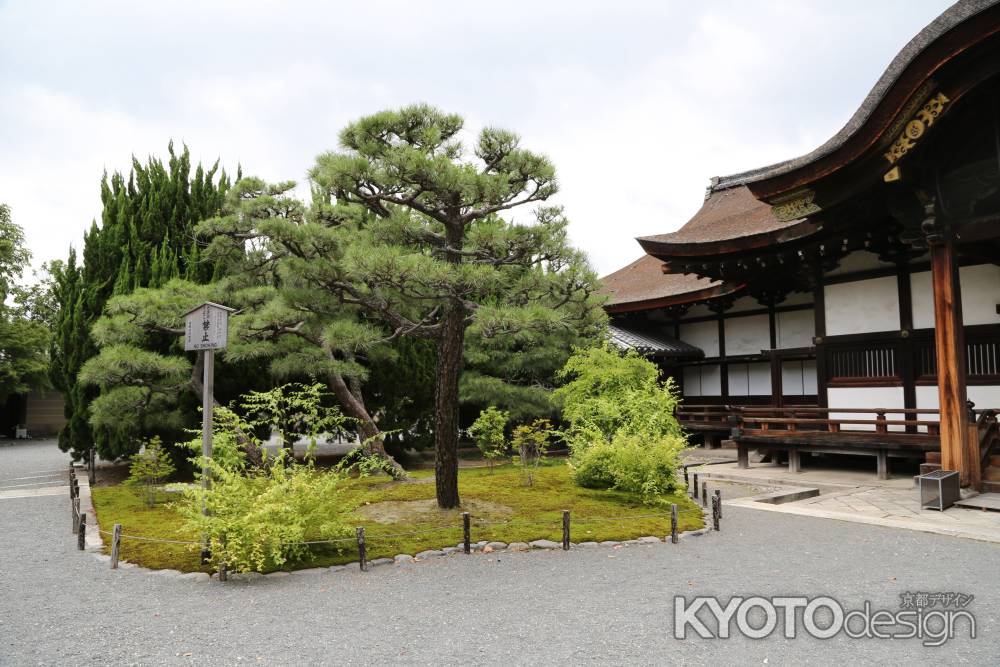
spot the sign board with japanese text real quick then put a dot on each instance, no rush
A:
(206, 327)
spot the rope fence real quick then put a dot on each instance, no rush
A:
(360, 539)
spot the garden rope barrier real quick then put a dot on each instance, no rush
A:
(553, 522)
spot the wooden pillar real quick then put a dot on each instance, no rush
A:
(794, 460)
(882, 464)
(949, 342)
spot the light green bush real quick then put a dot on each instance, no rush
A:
(488, 434)
(150, 468)
(258, 519)
(531, 441)
(632, 464)
(622, 431)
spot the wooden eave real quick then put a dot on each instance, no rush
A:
(667, 251)
(674, 300)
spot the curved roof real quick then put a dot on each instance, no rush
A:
(642, 284)
(952, 17)
(726, 214)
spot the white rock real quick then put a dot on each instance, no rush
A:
(403, 558)
(430, 553)
(544, 544)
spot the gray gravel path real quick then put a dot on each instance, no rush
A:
(58, 605)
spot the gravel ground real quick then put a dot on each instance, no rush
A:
(596, 605)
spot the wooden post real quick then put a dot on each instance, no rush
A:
(687, 483)
(362, 561)
(742, 455)
(223, 572)
(206, 420)
(715, 513)
(81, 535)
(975, 457)
(565, 544)
(207, 406)
(949, 343)
(116, 539)
(694, 492)
(718, 494)
(882, 464)
(794, 460)
(92, 467)
(880, 426)
(704, 494)
(673, 523)
(466, 532)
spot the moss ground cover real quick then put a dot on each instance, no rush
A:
(401, 517)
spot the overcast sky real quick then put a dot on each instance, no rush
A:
(637, 103)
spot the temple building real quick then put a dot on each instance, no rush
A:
(848, 300)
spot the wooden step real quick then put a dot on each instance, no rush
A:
(933, 457)
(991, 487)
(995, 460)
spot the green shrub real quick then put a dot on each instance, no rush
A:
(622, 432)
(632, 464)
(150, 468)
(531, 441)
(258, 519)
(488, 434)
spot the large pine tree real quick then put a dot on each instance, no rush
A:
(145, 238)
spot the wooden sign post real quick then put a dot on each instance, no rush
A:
(205, 330)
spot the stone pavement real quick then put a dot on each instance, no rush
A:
(857, 496)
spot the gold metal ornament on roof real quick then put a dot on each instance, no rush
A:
(797, 205)
(925, 117)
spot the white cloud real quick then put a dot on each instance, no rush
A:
(637, 103)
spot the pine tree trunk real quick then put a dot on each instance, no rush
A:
(449, 367)
(367, 428)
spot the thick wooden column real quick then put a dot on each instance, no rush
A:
(949, 341)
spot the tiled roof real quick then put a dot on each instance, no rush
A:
(652, 343)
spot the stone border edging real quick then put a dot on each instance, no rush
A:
(483, 546)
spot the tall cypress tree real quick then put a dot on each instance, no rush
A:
(143, 239)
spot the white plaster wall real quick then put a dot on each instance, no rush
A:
(862, 306)
(711, 380)
(748, 334)
(863, 397)
(791, 378)
(984, 396)
(796, 328)
(692, 381)
(980, 296)
(798, 378)
(750, 379)
(980, 293)
(810, 385)
(923, 300)
(760, 379)
(704, 335)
